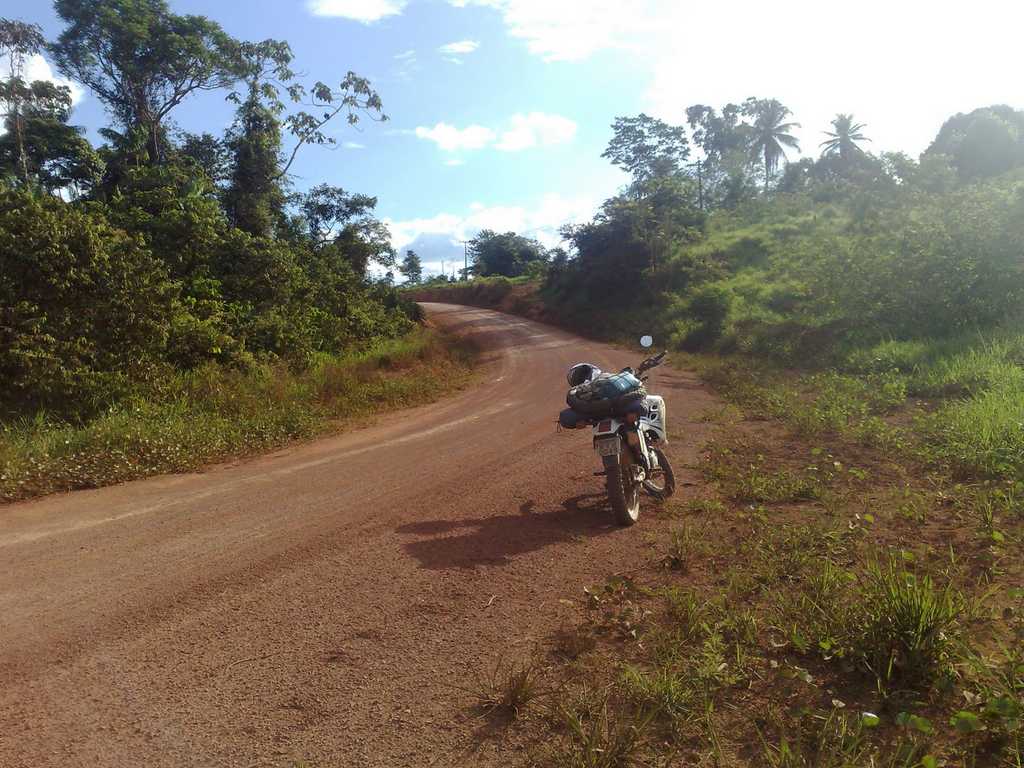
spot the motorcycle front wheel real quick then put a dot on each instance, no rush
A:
(623, 490)
(661, 483)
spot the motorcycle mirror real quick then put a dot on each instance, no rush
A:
(646, 341)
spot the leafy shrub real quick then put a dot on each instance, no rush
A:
(182, 419)
(709, 307)
(83, 306)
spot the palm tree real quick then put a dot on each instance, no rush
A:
(843, 138)
(770, 134)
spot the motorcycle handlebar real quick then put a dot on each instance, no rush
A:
(652, 362)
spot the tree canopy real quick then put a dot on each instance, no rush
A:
(647, 148)
(505, 254)
(982, 143)
(770, 137)
(411, 267)
(142, 60)
(165, 249)
(844, 138)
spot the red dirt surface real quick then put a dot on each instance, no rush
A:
(330, 603)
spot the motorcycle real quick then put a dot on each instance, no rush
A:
(630, 449)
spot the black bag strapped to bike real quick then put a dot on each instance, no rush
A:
(608, 394)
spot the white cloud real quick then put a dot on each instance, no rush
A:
(445, 231)
(459, 48)
(946, 62)
(536, 129)
(38, 68)
(366, 11)
(449, 138)
(353, 145)
(567, 30)
(925, 64)
(405, 64)
(454, 161)
(404, 233)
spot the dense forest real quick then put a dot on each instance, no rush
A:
(162, 249)
(169, 297)
(847, 249)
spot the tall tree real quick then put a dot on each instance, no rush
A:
(770, 133)
(208, 153)
(41, 146)
(328, 209)
(723, 173)
(843, 138)
(411, 267)
(345, 224)
(982, 143)
(255, 196)
(718, 134)
(505, 254)
(142, 60)
(18, 41)
(647, 148)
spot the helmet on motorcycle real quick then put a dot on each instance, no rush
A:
(580, 373)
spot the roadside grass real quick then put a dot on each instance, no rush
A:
(509, 688)
(213, 413)
(594, 733)
(956, 403)
(841, 596)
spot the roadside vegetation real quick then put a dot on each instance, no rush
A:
(821, 601)
(168, 298)
(213, 412)
(848, 590)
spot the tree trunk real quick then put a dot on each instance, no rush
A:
(153, 144)
(19, 138)
(700, 185)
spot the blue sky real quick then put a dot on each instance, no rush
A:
(500, 108)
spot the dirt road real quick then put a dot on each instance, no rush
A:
(323, 605)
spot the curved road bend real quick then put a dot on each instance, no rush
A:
(327, 603)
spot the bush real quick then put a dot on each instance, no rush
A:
(183, 419)
(83, 306)
(982, 436)
(709, 307)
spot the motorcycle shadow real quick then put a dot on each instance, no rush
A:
(497, 540)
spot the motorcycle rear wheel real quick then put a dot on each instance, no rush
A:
(623, 490)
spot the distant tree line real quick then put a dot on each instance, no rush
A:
(733, 245)
(718, 240)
